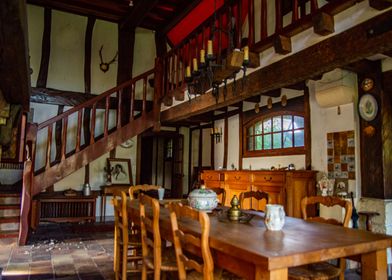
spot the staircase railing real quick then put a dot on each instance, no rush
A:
(278, 21)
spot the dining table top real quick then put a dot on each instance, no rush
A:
(299, 242)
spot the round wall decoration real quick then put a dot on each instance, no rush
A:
(367, 84)
(368, 107)
(127, 144)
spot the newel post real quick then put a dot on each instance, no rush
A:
(28, 170)
(158, 92)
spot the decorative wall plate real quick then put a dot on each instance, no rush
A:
(367, 84)
(368, 107)
(127, 144)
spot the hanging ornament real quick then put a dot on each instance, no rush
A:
(269, 103)
(257, 108)
(284, 100)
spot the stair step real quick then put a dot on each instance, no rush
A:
(9, 233)
(12, 219)
(9, 206)
(9, 194)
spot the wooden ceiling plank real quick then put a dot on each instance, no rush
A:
(139, 11)
(356, 43)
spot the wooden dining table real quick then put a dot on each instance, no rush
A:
(253, 252)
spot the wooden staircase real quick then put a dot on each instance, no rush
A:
(9, 214)
(130, 99)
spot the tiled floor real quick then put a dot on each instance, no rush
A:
(67, 252)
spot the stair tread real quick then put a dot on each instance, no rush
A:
(9, 233)
(10, 219)
(9, 194)
(9, 206)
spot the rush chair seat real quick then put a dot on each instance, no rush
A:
(153, 257)
(127, 245)
(258, 195)
(134, 190)
(220, 192)
(322, 270)
(202, 269)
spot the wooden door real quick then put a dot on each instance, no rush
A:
(178, 170)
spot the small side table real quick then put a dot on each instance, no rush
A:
(108, 190)
(369, 215)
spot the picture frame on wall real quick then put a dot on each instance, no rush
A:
(120, 171)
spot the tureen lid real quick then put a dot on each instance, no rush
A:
(202, 192)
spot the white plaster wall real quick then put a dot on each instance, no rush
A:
(35, 22)
(233, 145)
(219, 147)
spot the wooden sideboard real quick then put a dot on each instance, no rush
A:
(284, 187)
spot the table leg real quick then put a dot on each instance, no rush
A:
(374, 265)
(277, 274)
(103, 208)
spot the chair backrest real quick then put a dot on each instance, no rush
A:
(119, 201)
(328, 201)
(258, 195)
(149, 222)
(222, 192)
(180, 239)
(133, 190)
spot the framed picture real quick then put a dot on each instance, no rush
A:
(120, 171)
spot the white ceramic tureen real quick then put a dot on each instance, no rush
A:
(203, 199)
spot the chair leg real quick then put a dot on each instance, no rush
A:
(124, 262)
(157, 274)
(342, 265)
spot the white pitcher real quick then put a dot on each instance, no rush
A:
(274, 217)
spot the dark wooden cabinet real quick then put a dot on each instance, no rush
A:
(284, 187)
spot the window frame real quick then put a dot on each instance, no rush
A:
(273, 152)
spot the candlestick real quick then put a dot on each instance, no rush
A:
(246, 53)
(209, 48)
(202, 56)
(195, 65)
(188, 71)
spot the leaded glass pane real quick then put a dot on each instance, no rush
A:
(258, 143)
(299, 138)
(277, 124)
(267, 125)
(277, 138)
(298, 122)
(250, 143)
(259, 128)
(287, 122)
(250, 130)
(288, 139)
(267, 142)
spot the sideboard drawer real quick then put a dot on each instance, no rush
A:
(237, 177)
(210, 176)
(269, 178)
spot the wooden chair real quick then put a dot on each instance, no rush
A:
(133, 190)
(222, 192)
(322, 270)
(258, 195)
(152, 248)
(127, 245)
(202, 270)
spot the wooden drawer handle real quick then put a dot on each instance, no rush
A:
(209, 177)
(268, 179)
(237, 178)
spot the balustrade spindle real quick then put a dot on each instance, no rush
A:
(92, 125)
(278, 16)
(251, 23)
(64, 138)
(132, 103)
(78, 131)
(313, 6)
(295, 11)
(106, 116)
(144, 94)
(49, 146)
(177, 67)
(171, 83)
(239, 24)
(119, 106)
(263, 20)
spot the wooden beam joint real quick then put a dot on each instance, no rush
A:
(282, 44)
(323, 24)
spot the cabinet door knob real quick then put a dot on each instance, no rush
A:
(268, 179)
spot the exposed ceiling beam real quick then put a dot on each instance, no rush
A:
(180, 16)
(14, 65)
(138, 12)
(109, 11)
(356, 43)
